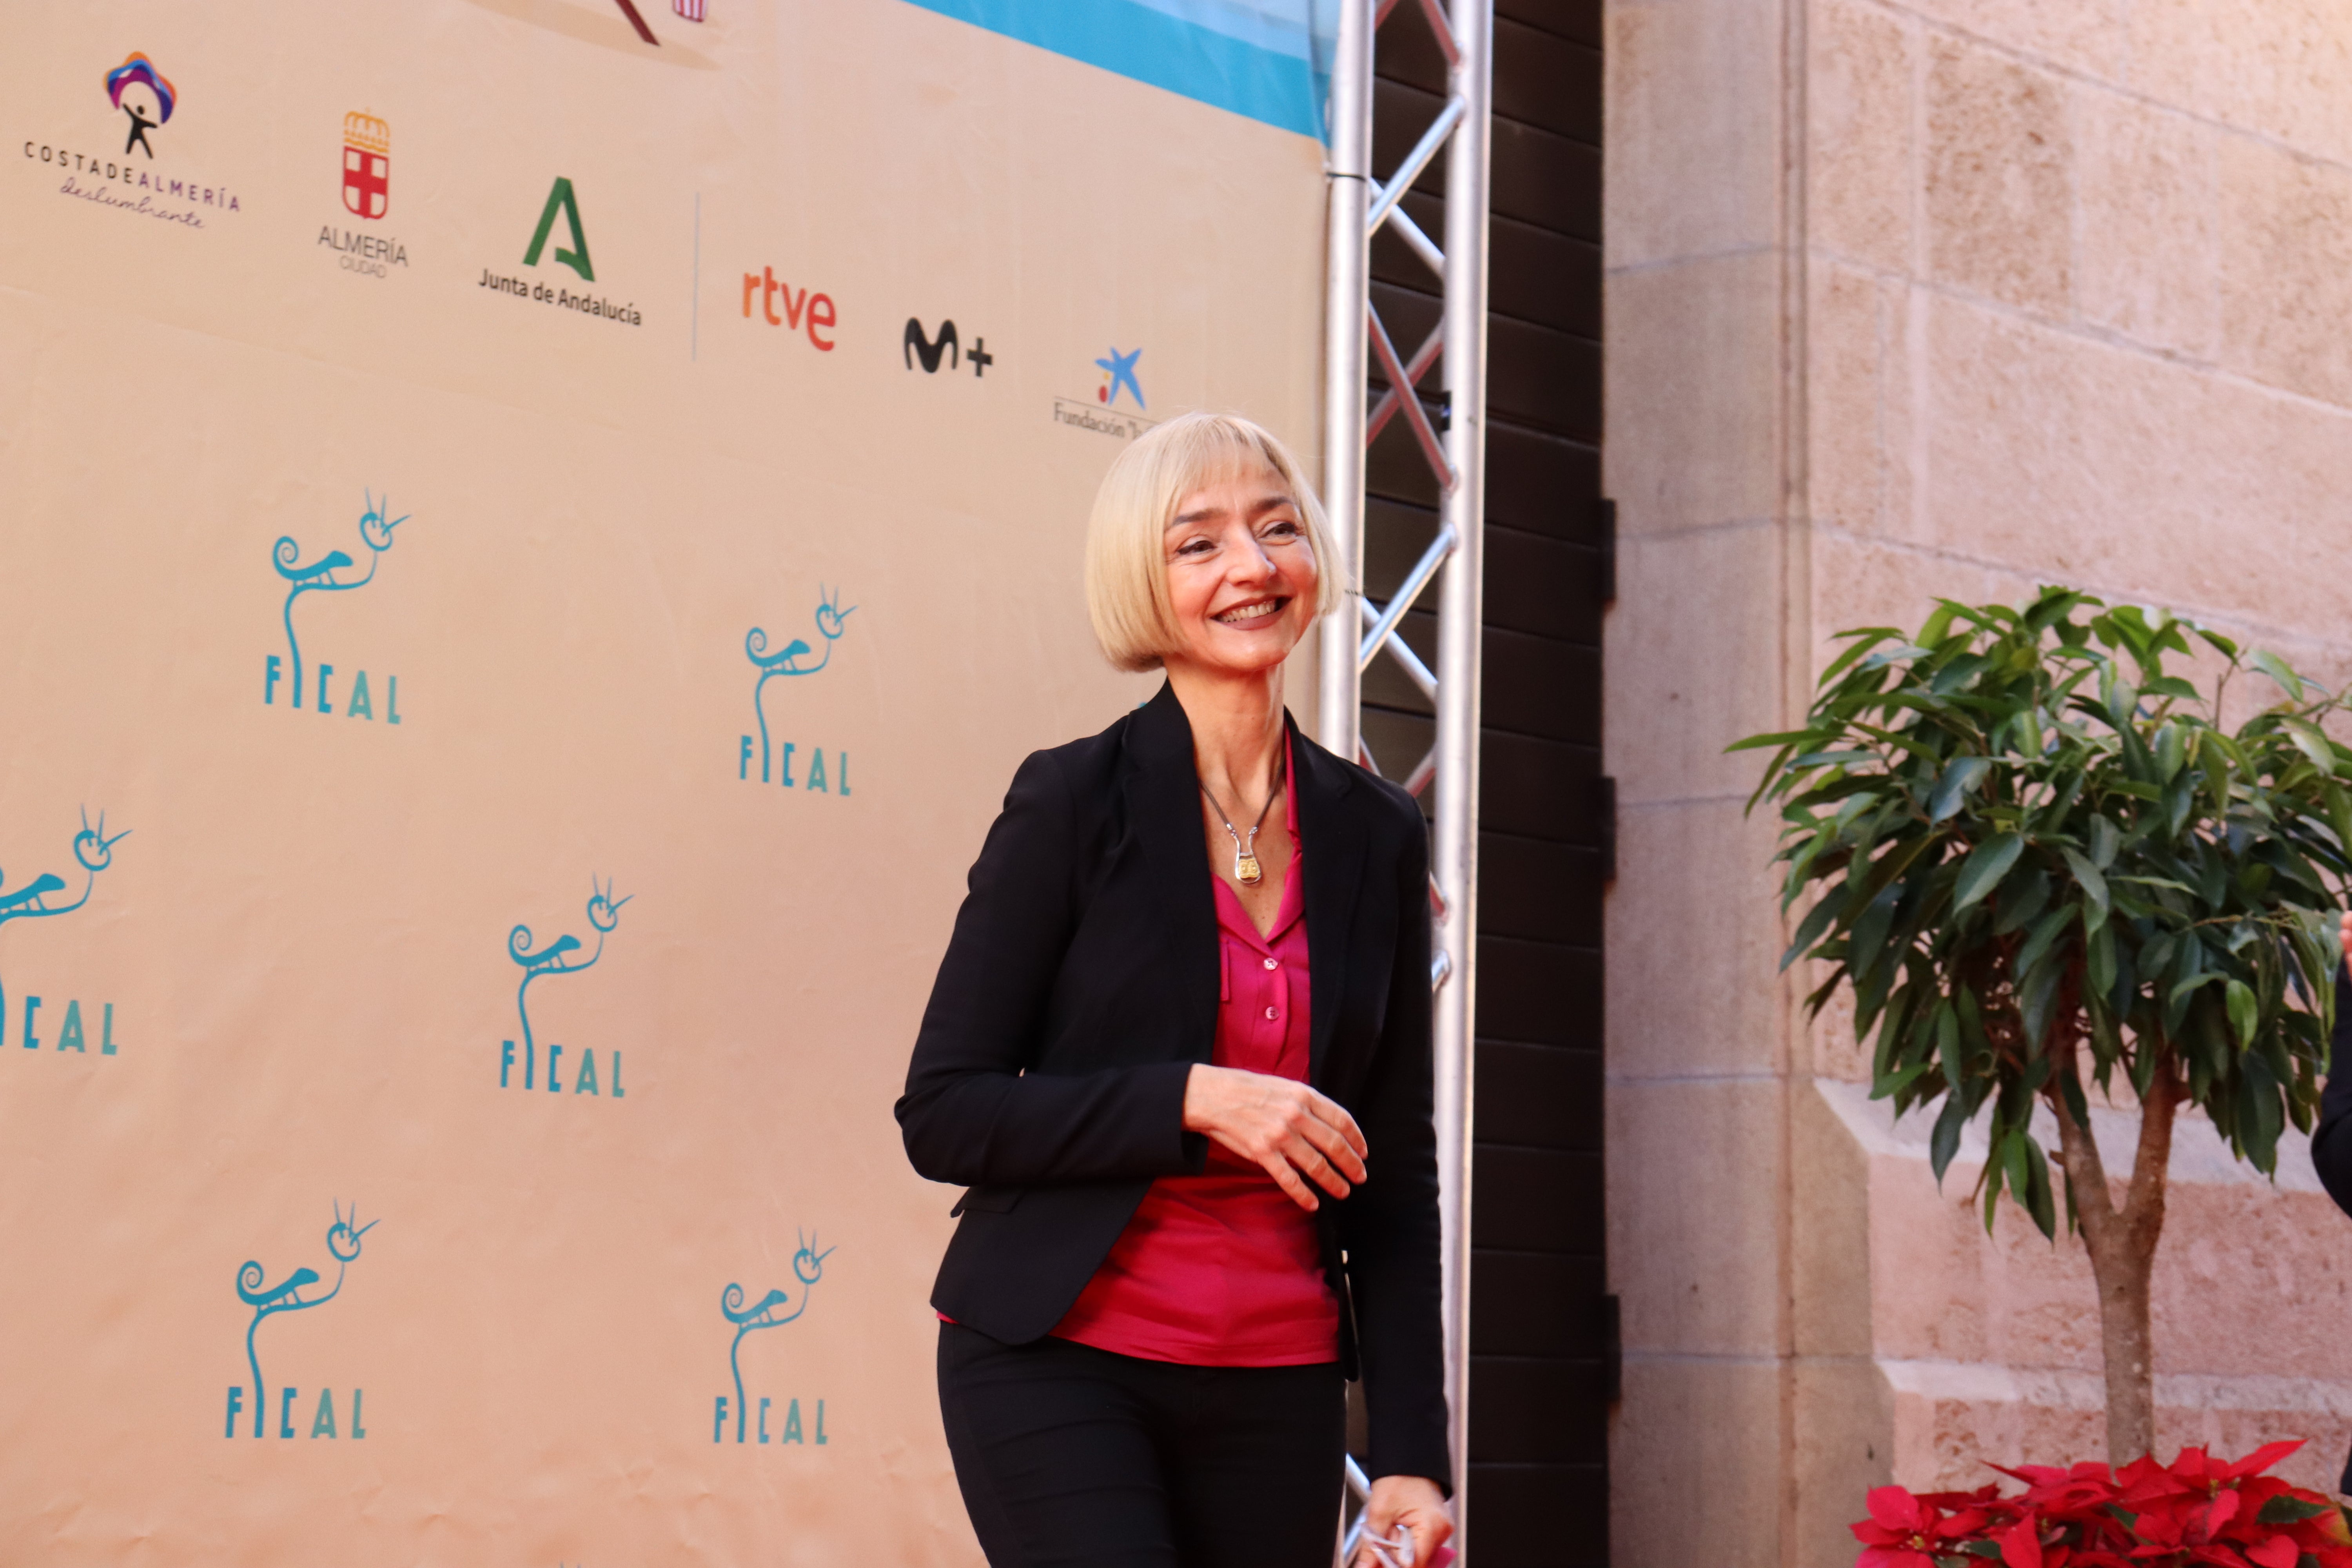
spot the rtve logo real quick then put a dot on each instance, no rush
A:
(817, 308)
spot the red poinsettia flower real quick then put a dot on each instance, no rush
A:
(1899, 1531)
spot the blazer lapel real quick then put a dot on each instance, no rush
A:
(1163, 821)
(1333, 843)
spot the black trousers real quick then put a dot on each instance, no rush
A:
(1069, 1455)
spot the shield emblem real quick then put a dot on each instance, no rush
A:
(367, 181)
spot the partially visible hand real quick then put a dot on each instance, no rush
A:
(1279, 1124)
(1413, 1501)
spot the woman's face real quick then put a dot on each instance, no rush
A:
(1242, 573)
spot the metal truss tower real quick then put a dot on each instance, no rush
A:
(1453, 444)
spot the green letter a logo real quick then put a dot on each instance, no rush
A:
(559, 198)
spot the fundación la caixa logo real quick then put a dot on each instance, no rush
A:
(365, 252)
(1102, 413)
(560, 957)
(769, 1312)
(331, 573)
(93, 850)
(562, 202)
(136, 181)
(792, 658)
(268, 1300)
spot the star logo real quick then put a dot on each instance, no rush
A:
(1118, 370)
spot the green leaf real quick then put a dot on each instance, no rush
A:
(2171, 751)
(1944, 1142)
(2105, 838)
(2260, 1121)
(1961, 776)
(2288, 1509)
(2038, 1200)
(2094, 888)
(1984, 867)
(2313, 742)
(1784, 738)
(2274, 666)
(1817, 920)
(2244, 1010)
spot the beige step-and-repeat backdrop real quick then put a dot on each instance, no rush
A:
(533, 534)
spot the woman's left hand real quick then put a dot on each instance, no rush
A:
(1413, 1501)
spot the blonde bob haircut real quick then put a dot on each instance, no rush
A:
(1127, 558)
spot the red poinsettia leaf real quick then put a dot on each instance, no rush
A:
(1893, 1557)
(2261, 1460)
(2021, 1546)
(2278, 1552)
(2218, 1513)
(1896, 1508)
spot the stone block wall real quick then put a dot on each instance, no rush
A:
(1944, 298)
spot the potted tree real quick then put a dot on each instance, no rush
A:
(2044, 868)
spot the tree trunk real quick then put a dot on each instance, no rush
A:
(2122, 1245)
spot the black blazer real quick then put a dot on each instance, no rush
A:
(2331, 1139)
(1081, 985)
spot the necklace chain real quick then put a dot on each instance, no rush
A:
(1245, 867)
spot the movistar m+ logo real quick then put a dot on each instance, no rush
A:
(921, 347)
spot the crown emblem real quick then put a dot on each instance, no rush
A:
(368, 132)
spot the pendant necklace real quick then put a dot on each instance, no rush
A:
(1245, 867)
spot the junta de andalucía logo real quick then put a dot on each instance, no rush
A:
(793, 659)
(770, 1311)
(289, 1295)
(561, 957)
(331, 573)
(563, 202)
(93, 851)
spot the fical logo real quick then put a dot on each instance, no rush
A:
(831, 620)
(285, 1296)
(556, 958)
(138, 71)
(920, 345)
(767, 1313)
(367, 165)
(94, 851)
(325, 575)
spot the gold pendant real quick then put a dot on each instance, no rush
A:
(1245, 869)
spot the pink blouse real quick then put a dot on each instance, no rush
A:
(1222, 1268)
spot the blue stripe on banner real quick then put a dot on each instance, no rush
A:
(1146, 44)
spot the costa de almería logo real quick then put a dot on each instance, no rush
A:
(147, 178)
(38, 897)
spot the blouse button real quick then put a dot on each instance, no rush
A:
(1273, 964)
(1274, 1012)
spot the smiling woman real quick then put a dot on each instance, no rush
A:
(1164, 1043)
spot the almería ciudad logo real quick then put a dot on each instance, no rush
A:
(563, 203)
(769, 1312)
(268, 1300)
(560, 957)
(792, 658)
(135, 181)
(93, 851)
(1103, 415)
(364, 251)
(332, 573)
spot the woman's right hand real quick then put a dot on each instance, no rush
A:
(1279, 1124)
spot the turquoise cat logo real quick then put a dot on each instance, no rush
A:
(831, 620)
(767, 1313)
(322, 576)
(285, 1296)
(558, 958)
(95, 852)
